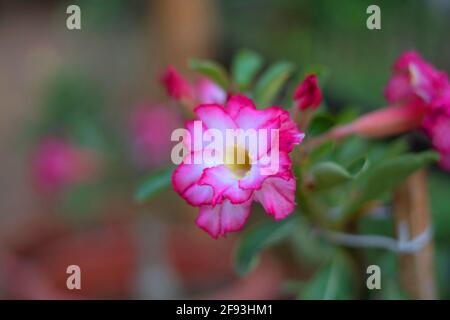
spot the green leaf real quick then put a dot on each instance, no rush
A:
(258, 238)
(212, 70)
(154, 183)
(321, 123)
(246, 65)
(387, 175)
(390, 173)
(329, 174)
(270, 83)
(331, 282)
(309, 249)
(322, 151)
(358, 166)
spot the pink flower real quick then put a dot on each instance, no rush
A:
(422, 89)
(439, 134)
(225, 190)
(57, 164)
(151, 128)
(415, 81)
(177, 87)
(203, 91)
(424, 97)
(421, 98)
(308, 94)
(436, 125)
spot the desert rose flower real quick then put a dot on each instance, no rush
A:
(425, 92)
(202, 91)
(224, 188)
(439, 134)
(151, 127)
(414, 81)
(57, 164)
(420, 98)
(308, 94)
(436, 125)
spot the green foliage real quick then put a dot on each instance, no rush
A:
(73, 106)
(329, 174)
(154, 183)
(246, 65)
(388, 174)
(271, 82)
(439, 199)
(331, 282)
(256, 239)
(212, 70)
(309, 249)
(322, 122)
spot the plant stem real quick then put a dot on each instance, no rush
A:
(411, 207)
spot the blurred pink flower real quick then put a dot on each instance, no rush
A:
(57, 164)
(224, 190)
(203, 91)
(151, 128)
(436, 125)
(422, 97)
(415, 81)
(308, 94)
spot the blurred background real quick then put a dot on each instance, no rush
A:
(74, 139)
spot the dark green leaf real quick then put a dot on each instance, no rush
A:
(390, 173)
(387, 175)
(257, 239)
(154, 183)
(246, 65)
(332, 282)
(322, 150)
(321, 123)
(329, 174)
(358, 166)
(271, 82)
(212, 70)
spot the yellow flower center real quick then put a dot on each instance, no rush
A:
(238, 161)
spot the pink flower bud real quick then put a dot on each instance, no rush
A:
(177, 87)
(308, 94)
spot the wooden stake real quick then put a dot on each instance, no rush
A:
(411, 207)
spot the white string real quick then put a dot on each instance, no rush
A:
(400, 245)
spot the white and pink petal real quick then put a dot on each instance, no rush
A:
(225, 185)
(214, 116)
(223, 218)
(277, 196)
